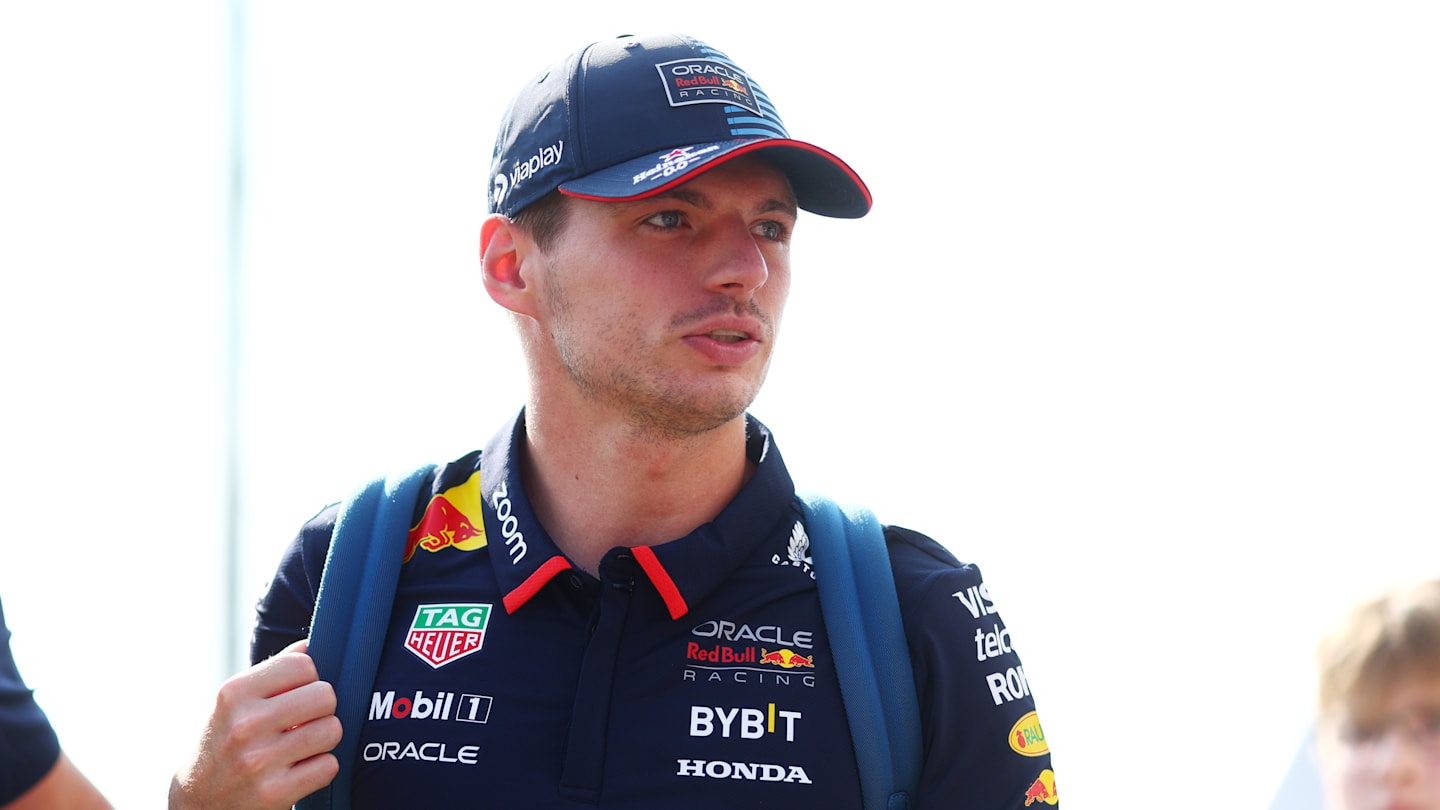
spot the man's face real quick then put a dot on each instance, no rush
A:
(1389, 761)
(666, 310)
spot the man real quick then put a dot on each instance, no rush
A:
(34, 773)
(1379, 734)
(613, 603)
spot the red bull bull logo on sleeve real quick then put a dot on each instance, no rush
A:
(1027, 738)
(443, 634)
(452, 519)
(1042, 789)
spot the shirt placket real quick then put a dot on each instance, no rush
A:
(583, 776)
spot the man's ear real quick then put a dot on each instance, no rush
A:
(505, 251)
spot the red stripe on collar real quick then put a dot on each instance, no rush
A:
(660, 578)
(533, 583)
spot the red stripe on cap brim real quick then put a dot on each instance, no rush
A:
(823, 183)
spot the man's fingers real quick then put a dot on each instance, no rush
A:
(309, 775)
(305, 741)
(282, 789)
(287, 669)
(315, 770)
(268, 741)
(302, 704)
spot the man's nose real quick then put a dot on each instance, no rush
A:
(737, 263)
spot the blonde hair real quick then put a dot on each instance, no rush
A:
(1384, 641)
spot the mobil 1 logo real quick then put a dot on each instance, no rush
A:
(464, 708)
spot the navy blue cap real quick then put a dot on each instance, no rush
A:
(631, 117)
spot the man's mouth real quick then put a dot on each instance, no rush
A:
(728, 335)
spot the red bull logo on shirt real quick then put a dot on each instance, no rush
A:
(1042, 789)
(452, 519)
(443, 634)
(1027, 738)
(787, 658)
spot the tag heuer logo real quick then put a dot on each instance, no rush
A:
(444, 633)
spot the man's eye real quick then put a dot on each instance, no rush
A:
(666, 219)
(772, 230)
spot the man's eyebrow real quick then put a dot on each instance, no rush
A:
(785, 206)
(699, 200)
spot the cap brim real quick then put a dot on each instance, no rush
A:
(823, 183)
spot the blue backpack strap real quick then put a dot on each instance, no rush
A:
(867, 638)
(352, 609)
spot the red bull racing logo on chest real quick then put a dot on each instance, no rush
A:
(451, 520)
(443, 634)
(762, 654)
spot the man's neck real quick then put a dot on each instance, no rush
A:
(596, 484)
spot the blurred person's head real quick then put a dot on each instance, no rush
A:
(1379, 740)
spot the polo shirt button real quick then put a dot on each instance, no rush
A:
(576, 582)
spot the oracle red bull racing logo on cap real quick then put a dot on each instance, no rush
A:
(1042, 789)
(1027, 738)
(707, 81)
(443, 634)
(451, 520)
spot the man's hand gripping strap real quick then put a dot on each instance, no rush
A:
(352, 610)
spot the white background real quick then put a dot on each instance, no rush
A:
(1144, 322)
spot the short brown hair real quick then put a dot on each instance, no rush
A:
(1384, 641)
(543, 219)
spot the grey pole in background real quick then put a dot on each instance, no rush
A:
(233, 292)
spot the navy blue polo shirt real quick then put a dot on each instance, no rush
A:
(695, 673)
(28, 745)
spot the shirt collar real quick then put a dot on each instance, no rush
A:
(684, 571)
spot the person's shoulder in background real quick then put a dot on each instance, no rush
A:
(36, 773)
